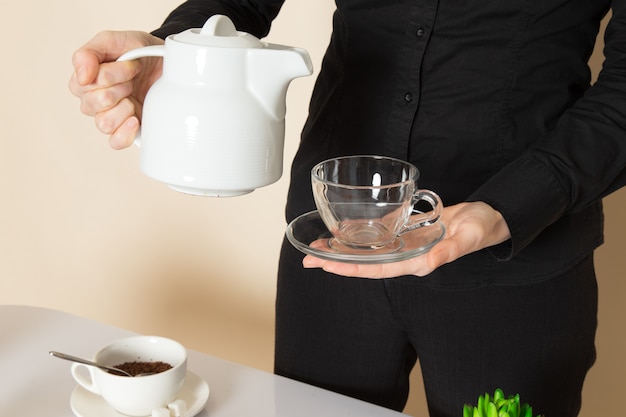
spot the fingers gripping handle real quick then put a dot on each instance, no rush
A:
(154, 50)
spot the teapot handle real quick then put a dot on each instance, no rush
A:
(153, 50)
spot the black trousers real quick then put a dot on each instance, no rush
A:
(362, 337)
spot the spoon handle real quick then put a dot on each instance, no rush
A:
(86, 362)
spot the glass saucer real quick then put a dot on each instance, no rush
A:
(309, 234)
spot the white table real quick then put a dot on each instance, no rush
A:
(34, 384)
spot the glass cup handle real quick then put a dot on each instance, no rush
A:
(428, 218)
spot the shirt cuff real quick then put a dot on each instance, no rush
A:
(529, 197)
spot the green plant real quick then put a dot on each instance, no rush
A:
(498, 406)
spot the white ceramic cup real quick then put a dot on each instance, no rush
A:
(136, 396)
(367, 201)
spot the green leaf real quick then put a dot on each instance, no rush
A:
(481, 406)
(498, 394)
(501, 402)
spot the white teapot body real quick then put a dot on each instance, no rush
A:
(214, 123)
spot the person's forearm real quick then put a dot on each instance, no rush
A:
(254, 17)
(579, 162)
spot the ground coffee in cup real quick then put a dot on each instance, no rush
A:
(136, 367)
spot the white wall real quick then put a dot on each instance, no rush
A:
(82, 230)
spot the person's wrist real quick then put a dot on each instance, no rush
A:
(501, 230)
(496, 228)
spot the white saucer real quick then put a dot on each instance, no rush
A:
(195, 393)
(309, 229)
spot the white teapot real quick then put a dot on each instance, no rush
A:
(214, 123)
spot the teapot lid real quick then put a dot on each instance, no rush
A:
(218, 31)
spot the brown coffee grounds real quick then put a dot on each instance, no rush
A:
(136, 368)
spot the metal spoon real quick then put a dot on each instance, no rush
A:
(87, 362)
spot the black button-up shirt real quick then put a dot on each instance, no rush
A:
(490, 99)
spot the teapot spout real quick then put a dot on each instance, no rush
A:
(271, 69)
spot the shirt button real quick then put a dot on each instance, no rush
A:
(408, 97)
(420, 32)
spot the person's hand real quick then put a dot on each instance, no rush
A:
(113, 92)
(469, 228)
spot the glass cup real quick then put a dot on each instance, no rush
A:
(366, 202)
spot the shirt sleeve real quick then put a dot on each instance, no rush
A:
(252, 16)
(582, 160)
